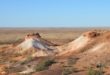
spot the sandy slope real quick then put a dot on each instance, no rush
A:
(79, 44)
(92, 49)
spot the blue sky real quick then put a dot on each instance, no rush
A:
(54, 13)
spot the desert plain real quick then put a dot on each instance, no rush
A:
(77, 51)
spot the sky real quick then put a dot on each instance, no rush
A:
(54, 13)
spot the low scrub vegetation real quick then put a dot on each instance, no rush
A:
(68, 68)
(92, 71)
(67, 71)
(27, 60)
(44, 65)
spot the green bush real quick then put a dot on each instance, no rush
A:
(67, 71)
(91, 71)
(44, 65)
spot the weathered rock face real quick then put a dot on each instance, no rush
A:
(91, 34)
(35, 42)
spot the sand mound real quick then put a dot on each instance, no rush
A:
(40, 46)
(91, 48)
(80, 43)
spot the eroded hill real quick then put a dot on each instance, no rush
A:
(88, 50)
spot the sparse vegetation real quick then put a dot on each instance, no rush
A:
(44, 65)
(27, 60)
(67, 71)
(92, 71)
(100, 67)
(71, 61)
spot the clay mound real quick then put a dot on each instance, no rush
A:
(79, 45)
(37, 45)
(98, 53)
(91, 48)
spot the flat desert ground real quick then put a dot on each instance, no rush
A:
(57, 35)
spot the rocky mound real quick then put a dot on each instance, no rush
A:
(39, 46)
(91, 48)
(97, 53)
(79, 44)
